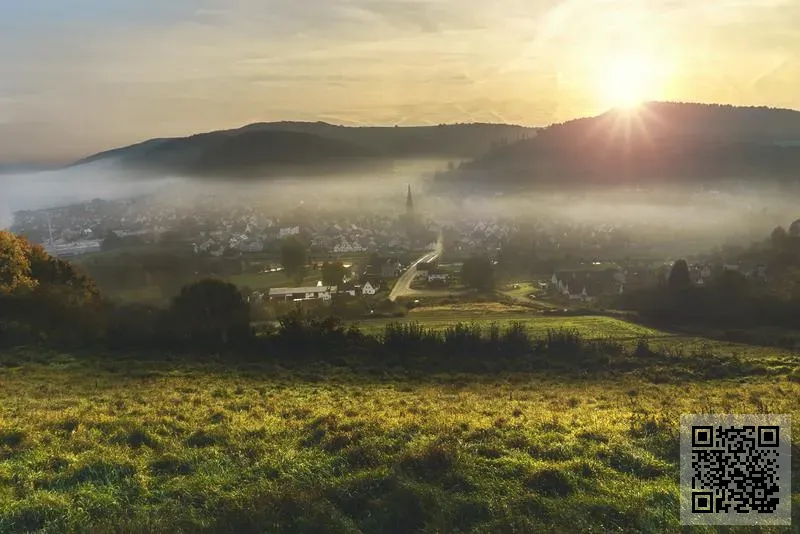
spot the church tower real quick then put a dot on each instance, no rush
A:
(409, 202)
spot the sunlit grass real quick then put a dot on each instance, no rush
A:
(591, 327)
(110, 445)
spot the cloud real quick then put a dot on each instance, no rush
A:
(80, 76)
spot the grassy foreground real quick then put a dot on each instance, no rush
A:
(94, 445)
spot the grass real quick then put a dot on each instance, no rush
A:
(146, 294)
(590, 327)
(440, 317)
(97, 444)
(522, 290)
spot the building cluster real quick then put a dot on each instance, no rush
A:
(208, 228)
(318, 292)
(586, 285)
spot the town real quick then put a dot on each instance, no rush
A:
(566, 263)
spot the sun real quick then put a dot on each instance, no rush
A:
(627, 82)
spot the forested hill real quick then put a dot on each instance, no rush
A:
(659, 141)
(265, 148)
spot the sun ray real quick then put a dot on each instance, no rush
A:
(627, 82)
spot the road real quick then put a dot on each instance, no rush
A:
(527, 301)
(403, 286)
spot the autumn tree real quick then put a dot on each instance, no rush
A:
(48, 294)
(15, 264)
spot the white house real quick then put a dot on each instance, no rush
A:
(292, 230)
(344, 246)
(302, 293)
(369, 289)
(587, 285)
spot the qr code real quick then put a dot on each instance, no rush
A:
(735, 469)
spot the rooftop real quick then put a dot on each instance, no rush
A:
(293, 290)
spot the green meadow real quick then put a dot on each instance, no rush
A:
(152, 443)
(591, 327)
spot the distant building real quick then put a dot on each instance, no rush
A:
(302, 293)
(587, 285)
(72, 249)
(368, 289)
(345, 247)
(286, 232)
(438, 277)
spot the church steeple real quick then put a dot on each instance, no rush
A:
(409, 202)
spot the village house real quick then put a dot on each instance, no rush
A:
(587, 285)
(438, 279)
(345, 247)
(369, 289)
(285, 232)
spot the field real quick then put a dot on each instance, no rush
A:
(591, 327)
(95, 444)
(521, 291)
(439, 317)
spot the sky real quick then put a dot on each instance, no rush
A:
(80, 76)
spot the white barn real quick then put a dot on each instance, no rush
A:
(302, 293)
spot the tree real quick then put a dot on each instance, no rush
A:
(794, 229)
(58, 302)
(679, 275)
(778, 238)
(478, 273)
(49, 271)
(15, 264)
(293, 259)
(211, 311)
(333, 273)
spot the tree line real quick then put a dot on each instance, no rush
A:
(45, 300)
(729, 299)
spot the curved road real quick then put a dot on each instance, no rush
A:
(403, 286)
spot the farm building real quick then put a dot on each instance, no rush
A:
(302, 293)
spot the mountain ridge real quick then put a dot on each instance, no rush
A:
(658, 141)
(308, 141)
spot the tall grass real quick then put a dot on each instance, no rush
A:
(91, 444)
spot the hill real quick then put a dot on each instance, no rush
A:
(305, 147)
(658, 142)
(444, 140)
(241, 153)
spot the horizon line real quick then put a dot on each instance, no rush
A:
(45, 164)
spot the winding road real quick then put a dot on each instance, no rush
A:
(402, 288)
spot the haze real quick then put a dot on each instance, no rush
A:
(85, 75)
(689, 218)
